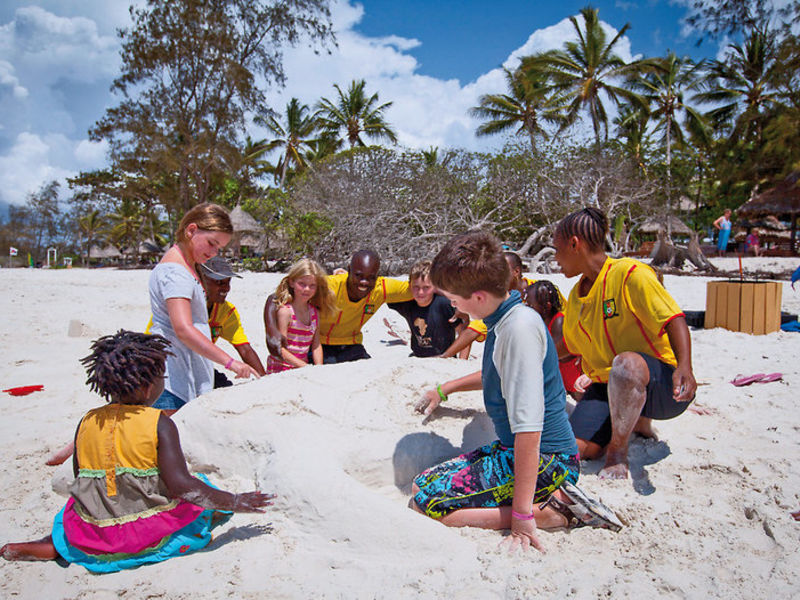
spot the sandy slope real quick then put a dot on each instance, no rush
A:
(708, 504)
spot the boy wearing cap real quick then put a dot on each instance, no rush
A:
(223, 318)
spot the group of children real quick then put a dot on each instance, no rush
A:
(622, 344)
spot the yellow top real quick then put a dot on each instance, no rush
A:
(343, 326)
(626, 310)
(118, 436)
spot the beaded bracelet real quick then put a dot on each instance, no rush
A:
(520, 516)
(229, 363)
(442, 395)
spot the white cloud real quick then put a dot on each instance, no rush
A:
(31, 162)
(8, 79)
(91, 154)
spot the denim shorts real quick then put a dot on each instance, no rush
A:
(168, 401)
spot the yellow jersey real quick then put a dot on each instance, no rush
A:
(626, 310)
(343, 326)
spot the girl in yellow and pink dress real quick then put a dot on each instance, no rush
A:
(133, 500)
(301, 297)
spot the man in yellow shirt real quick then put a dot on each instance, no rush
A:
(631, 336)
(359, 294)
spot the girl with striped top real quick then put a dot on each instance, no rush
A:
(301, 296)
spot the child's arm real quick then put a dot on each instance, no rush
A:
(316, 349)
(250, 356)
(526, 468)
(284, 317)
(557, 332)
(181, 484)
(464, 339)
(431, 398)
(180, 316)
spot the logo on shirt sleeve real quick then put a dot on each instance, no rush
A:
(609, 309)
(369, 309)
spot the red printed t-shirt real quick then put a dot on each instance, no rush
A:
(626, 310)
(343, 325)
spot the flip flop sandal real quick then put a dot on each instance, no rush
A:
(583, 511)
(742, 380)
(771, 377)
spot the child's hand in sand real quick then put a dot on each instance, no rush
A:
(428, 402)
(243, 370)
(581, 383)
(523, 535)
(252, 502)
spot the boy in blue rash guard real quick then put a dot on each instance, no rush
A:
(527, 477)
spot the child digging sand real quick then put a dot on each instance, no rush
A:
(136, 504)
(527, 477)
(301, 297)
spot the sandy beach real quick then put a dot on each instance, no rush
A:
(707, 505)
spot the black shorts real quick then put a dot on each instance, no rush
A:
(343, 353)
(591, 419)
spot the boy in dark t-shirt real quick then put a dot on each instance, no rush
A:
(430, 316)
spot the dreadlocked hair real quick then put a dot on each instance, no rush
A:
(122, 363)
(545, 292)
(588, 224)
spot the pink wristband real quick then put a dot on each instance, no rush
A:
(520, 516)
(229, 363)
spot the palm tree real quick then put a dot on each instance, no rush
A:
(91, 225)
(294, 135)
(584, 69)
(126, 225)
(526, 106)
(743, 87)
(632, 135)
(356, 114)
(663, 84)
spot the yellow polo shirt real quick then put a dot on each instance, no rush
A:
(343, 326)
(626, 310)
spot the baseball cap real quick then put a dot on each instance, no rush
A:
(218, 268)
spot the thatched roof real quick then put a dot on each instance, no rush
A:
(783, 199)
(656, 224)
(243, 221)
(108, 251)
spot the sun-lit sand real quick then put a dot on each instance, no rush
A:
(708, 505)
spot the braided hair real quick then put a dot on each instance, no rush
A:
(545, 292)
(122, 363)
(588, 224)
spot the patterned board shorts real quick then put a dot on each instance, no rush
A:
(484, 478)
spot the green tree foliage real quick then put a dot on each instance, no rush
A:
(294, 135)
(190, 73)
(352, 114)
(584, 72)
(527, 106)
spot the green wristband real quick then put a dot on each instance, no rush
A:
(442, 395)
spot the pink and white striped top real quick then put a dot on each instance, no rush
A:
(298, 340)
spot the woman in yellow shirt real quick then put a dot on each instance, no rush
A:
(631, 336)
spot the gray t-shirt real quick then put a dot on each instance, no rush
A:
(188, 374)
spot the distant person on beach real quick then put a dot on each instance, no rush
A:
(526, 479)
(430, 316)
(301, 297)
(752, 244)
(223, 318)
(178, 305)
(631, 336)
(144, 507)
(723, 225)
(359, 294)
(544, 297)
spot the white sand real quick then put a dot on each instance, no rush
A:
(708, 505)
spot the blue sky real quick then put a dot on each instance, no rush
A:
(432, 59)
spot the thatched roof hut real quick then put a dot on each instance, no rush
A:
(247, 232)
(104, 252)
(783, 200)
(656, 224)
(243, 221)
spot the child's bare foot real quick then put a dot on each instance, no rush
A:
(616, 465)
(39, 550)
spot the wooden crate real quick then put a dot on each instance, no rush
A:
(748, 306)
